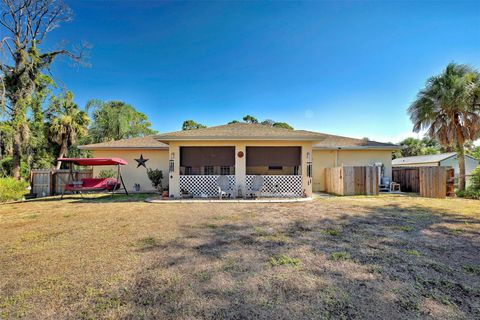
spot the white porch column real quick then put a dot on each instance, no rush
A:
(307, 157)
(174, 177)
(240, 168)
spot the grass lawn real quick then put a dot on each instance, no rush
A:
(340, 258)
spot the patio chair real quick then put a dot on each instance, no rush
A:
(395, 186)
(384, 184)
(256, 187)
(224, 187)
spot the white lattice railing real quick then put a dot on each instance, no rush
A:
(279, 185)
(203, 185)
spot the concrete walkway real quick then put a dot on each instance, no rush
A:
(322, 195)
(262, 200)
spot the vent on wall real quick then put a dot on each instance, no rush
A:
(275, 168)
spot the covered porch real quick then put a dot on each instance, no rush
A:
(195, 170)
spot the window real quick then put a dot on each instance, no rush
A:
(208, 170)
(295, 170)
(171, 166)
(224, 170)
(188, 170)
(309, 170)
(275, 168)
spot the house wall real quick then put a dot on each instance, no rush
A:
(157, 159)
(160, 158)
(333, 158)
(240, 163)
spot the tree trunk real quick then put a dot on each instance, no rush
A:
(2, 145)
(63, 152)
(19, 94)
(17, 153)
(461, 153)
(461, 166)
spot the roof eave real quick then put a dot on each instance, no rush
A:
(120, 148)
(167, 139)
(387, 148)
(414, 163)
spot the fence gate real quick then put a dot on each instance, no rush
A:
(436, 182)
(41, 182)
(430, 182)
(407, 177)
(352, 180)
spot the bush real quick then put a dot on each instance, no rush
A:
(475, 179)
(473, 190)
(6, 166)
(108, 173)
(156, 176)
(469, 193)
(12, 189)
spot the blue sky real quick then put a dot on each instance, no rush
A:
(347, 68)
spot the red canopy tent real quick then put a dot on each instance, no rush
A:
(94, 184)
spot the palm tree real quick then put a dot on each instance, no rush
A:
(66, 123)
(448, 108)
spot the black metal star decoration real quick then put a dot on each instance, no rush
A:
(141, 161)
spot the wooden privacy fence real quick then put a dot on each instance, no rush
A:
(51, 182)
(436, 182)
(352, 180)
(407, 177)
(430, 182)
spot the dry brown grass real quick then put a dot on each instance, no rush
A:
(352, 257)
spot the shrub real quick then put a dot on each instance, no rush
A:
(155, 176)
(473, 190)
(470, 193)
(107, 173)
(6, 166)
(475, 179)
(12, 189)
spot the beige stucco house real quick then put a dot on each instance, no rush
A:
(291, 162)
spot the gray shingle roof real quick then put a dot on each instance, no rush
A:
(423, 159)
(242, 131)
(335, 142)
(147, 142)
